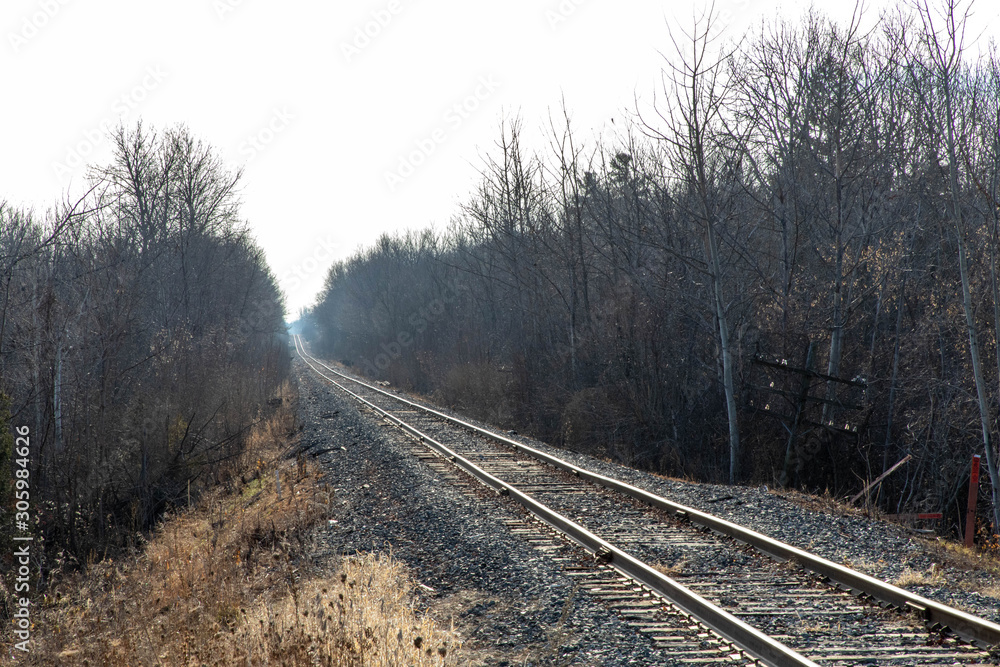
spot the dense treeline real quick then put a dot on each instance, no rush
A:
(818, 196)
(141, 335)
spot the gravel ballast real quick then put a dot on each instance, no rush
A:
(878, 548)
(511, 603)
(509, 600)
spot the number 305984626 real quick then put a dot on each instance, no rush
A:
(22, 470)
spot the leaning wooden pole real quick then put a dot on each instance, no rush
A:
(879, 479)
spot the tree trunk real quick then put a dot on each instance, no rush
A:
(946, 63)
(977, 372)
(727, 353)
(970, 322)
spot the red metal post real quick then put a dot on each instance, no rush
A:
(970, 513)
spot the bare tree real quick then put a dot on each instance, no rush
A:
(697, 94)
(941, 59)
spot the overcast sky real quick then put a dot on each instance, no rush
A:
(351, 118)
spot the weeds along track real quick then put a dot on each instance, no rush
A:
(704, 589)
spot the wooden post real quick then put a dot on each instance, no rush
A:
(970, 513)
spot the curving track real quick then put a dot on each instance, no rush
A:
(761, 599)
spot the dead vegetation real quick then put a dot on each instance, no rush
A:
(221, 583)
(933, 576)
(673, 569)
(825, 503)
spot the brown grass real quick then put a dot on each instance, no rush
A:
(932, 577)
(677, 569)
(984, 558)
(826, 503)
(221, 584)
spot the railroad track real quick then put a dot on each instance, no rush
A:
(706, 590)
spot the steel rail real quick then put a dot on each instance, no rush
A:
(971, 628)
(747, 638)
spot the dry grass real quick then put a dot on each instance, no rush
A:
(992, 589)
(983, 556)
(982, 561)
(826, 503)
(218, 584)
(864, 565)
(976, 569)
(676, 569)
(932, 577)
(363, 617)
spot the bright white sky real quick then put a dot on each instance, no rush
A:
(319, 115)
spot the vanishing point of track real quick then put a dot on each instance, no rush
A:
(706, 590)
